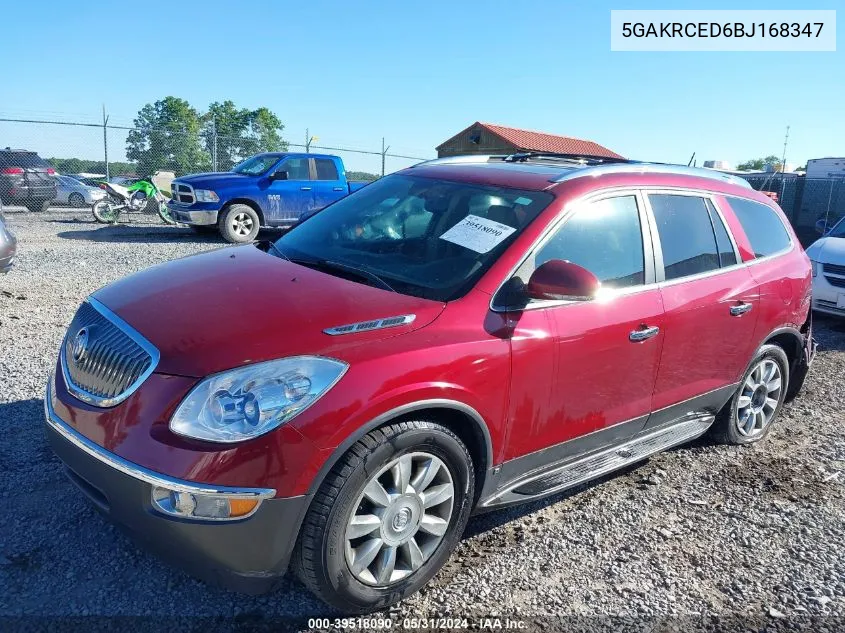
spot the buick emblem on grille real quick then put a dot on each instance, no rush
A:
(80, 345)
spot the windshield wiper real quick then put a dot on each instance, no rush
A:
(361, 272)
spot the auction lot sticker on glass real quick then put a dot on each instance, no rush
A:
(729, 30)
(478, 234)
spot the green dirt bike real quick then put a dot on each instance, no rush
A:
(134, 198)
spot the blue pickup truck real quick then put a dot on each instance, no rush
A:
(274, 189)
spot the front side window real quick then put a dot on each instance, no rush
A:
(326, 169)
(762, 226)
(297, 168)
(686, 235)
(604, 237)
(424, 237)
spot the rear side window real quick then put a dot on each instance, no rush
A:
(762, 225)
(686, 235)
(326, 169)
(605, 238)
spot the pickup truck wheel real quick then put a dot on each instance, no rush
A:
(387, 516)
(750, 413)
(239, 223)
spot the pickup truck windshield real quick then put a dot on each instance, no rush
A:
(419, 236)
(255, 165)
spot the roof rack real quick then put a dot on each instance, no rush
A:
(633, 167)
(583, 159)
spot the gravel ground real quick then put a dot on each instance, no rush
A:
(703, 530)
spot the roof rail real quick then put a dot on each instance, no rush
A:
(654, 168)
(582, 159)
(463, 158)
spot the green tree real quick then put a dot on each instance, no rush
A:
(167, 136)
(757, 164)
(238, 133)
(362, 175)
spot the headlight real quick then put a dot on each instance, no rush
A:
(244, 403)
(206, 195)
(815, 266)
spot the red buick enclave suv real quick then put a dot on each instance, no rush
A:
(463, 335)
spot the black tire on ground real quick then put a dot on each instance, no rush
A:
(37, 206)
(76, 200)
(320, 554)
(103, 213)
(726, 427)
(239, 223)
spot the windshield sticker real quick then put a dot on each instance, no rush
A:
(523, 200)
(478, 234)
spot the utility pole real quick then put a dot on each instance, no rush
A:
(383, 155)
(106, 140)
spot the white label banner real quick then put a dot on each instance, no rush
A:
(722, 30)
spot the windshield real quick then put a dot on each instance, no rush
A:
(423, 237)
(256, 165)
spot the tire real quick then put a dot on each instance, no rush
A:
(239, 223)
(164, 213)
(104, 212)
(323, 557)
(749, 415)
(38, 206)
(76, 200)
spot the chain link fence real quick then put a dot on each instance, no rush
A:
(108, 150)
(805, 201)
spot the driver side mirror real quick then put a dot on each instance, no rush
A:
(821, 227)
(559, 280)
(279, 175)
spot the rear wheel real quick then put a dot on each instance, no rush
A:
(105, 212)
(37, 206)
(387, 516)
(239, 223)
(76, 200)
(750, 413)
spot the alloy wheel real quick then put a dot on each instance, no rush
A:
(242, 224)
(759, 398)
(400, 519)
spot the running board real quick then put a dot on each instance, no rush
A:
(600, 463)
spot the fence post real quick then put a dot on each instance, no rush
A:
(213, 145)
(106, 141)
(383, 155)
(307, 142)
(829, 198)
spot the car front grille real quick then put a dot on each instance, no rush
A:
(183, 193)
(835, 269)
(828, 305)
(839, 282)
(103, 359)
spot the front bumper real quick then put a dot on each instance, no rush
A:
(248, 555)
(826, 295)
(196, 217)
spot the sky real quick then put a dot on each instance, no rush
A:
(415, 73)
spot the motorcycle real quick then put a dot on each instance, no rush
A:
(132, 198)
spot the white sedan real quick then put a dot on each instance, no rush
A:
(828, 257)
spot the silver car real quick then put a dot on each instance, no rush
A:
(8, 245)
(76, 194)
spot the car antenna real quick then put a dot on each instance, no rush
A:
(691, 158)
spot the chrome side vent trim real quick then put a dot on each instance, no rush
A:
(368, 326)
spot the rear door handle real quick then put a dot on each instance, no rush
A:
(305, 188)
(643, 333)
(741, 309)
(337, 189)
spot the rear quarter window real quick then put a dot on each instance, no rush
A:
(762, 226)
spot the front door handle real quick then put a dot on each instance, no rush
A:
(741, 309)
(305, 188)
(643, 333)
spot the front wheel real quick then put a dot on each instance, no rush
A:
(105, 212)
(239, 223)
(164, 213)
(387, 516)
(749, 415)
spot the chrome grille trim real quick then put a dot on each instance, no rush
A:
(111, 374)
(369, 326)
(182, 193)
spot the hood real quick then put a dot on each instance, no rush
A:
(213, 179)
(828, 250)
(236, 306)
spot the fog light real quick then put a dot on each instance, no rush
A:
(209, 506)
